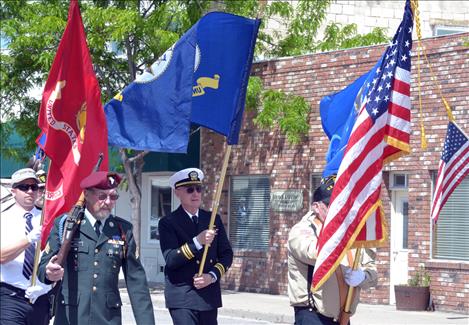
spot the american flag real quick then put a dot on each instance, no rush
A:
(380, 134)
(454, 167)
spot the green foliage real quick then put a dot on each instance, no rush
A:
(337, 37)
(254, 92)
(125, 37)
(466, 42)
(421, 278)
(288, 111)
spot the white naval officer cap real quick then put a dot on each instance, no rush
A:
(188, 176)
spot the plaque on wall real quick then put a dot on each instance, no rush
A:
(286, 200)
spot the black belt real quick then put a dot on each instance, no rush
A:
(18, 292)
(313, 310)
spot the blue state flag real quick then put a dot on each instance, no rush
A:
(153, 112)
(338, 114)
(201, 79)
(225, 48)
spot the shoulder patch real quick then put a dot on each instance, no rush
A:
(47, 248)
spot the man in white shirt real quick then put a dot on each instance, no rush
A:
(20, 234)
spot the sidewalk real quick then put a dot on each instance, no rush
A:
(275, 309)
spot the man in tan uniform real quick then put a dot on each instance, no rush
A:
(325, 305)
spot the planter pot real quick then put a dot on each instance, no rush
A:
(412, 298)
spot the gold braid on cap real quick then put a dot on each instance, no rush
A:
(329, 181)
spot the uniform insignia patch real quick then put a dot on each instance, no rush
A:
(116, 242)
(47, 249)
(193, 176)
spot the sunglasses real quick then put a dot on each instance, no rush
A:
(104, 196)
(26, 187)
(191, 189)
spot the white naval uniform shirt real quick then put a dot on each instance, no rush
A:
(12, 227)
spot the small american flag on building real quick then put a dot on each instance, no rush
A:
(380, 134)
(454, 167)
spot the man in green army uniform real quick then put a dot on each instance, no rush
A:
(102, 245)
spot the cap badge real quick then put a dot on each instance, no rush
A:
(193, 175)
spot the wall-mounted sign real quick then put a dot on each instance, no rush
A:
(286, 200)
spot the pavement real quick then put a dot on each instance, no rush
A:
(243, 308)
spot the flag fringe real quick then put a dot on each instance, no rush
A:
(347, 247)
(376, 242)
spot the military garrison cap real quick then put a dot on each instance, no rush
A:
(324, 191)
(188, 176)
(102, 180)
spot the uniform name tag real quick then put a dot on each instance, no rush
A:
(116, 242)
(77, 243)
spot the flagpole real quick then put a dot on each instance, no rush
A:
(37, 252)
(215, 204)
(345, 316)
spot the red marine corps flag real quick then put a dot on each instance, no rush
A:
(73, 120)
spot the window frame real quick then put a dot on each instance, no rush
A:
(434, 228)
(234, 240)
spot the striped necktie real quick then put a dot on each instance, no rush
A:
(30, 250)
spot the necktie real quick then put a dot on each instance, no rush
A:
(30, 250)
(195, 220)
(97, 225)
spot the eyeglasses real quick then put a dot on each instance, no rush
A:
(26, 187)
(104, 196)
(191, 189)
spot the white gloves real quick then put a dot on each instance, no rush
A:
(35, 234)
(34, 292)
(354, 277)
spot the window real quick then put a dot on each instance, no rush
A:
(405, 225)
(448, 30)
(450, 239)
(160, 204)
(315, 182)
(250, 212)
(398, 181)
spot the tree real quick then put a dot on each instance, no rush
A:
(126, 36)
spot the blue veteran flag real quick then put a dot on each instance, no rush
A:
(225, 48)
(338, 115)
(153, 112)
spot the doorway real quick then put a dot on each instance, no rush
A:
(399, 241)
(159, 202)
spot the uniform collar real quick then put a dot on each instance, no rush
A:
(92, 220)
(20, 211)
(190, 215)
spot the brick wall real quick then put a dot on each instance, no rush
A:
(388, 14)
(267, 152)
